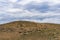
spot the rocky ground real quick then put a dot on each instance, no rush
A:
(24, 30)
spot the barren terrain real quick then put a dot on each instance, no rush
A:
(24, 30)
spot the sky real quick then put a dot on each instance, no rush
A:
(42, 11)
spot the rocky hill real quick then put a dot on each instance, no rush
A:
(24, 30)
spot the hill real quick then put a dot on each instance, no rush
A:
(25, 30)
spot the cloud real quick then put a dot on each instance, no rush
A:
(13, 1)
(14, 10)
(30, 10)
(53, 2)
(41, 7)
(24, 2)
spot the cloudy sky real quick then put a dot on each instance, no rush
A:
(45, 11)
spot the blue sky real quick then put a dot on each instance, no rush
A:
(43, 11)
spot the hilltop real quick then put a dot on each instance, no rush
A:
(25, 30)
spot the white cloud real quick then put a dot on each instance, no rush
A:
(54, 1)
(14, 10)
(13, 1)
(24, 2)
(51, 2)
(50, 16)
(1, 18)
(21, 13)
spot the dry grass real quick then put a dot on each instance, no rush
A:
(23, 30)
